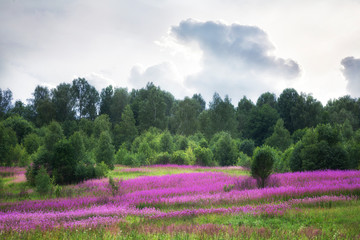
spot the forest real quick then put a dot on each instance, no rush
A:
(76, 133)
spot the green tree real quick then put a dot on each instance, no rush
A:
(118, 103)
(105, 151)
(261, 122)
(152, 109)
(243, 110)
(267, 98)
(32, 142)
(21, 126)
(86, 98)
(7, 143)
(63, 102)
(106, 96)
(42, 182)
(166, 142)
(280, 139)
(101, 124)
(262, 164)
(125, 131)
(186, 116)
(63, 162)
(5, 102)
(25, 111)
(45, 111)
(203, 156)
(53, 135)
(225, 152)
(222, 115)
(247, 146)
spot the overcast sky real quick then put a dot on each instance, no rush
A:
(234, 47)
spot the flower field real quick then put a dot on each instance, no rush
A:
(176, 202)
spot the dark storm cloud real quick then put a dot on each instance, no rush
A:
(351, 72)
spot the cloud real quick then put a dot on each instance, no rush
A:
(351, 72)
(164, 75)
(236, 59)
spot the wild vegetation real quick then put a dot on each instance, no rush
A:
(192, 202)
(142, 164)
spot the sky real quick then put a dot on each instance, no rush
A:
(232, 47)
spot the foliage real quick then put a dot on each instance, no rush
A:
(280, 138)
(262, 164)
(42, 182)
(32, 142)
(105, 150)
(7, 143)
(247, 146)
(203, 156)
(225, 151)
(244, 160)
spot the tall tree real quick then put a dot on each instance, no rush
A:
(186, 116)
(105, 151)
(86, 98)
(5, 102)
(63, 102)
(125, 131)
(222, 115)
(286, 104)
(261, 123)
(152, 109)
(45, 111)
(200, 100)
(105, 100)
(119, 100)
(280, 138)
(242, 116)
(267, 98)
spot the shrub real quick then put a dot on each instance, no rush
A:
(163, 158)
(42, 182)
(101, 170)
(180, 157)
(244, 160)
(247, 146)
(261, 167)
(203, 156)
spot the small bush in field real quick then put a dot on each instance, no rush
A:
(261, 167)
(114, 187)
(42, 182)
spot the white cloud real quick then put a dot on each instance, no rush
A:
(237, 60)
(351, 72)
(164, 75)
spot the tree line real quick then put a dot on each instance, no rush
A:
(75, 132)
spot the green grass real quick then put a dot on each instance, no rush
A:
(160, 171)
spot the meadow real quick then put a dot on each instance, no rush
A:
(185, 202)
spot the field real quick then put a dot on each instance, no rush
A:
(185, 202)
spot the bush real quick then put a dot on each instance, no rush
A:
(42, 182)
(203, 156)
(180, 157)
(247, 146)
(101, 170)
(263, 161)
(163, 158)
(244, 160)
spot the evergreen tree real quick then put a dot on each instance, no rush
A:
(125, 131)
(105, 151)
(280, 138)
